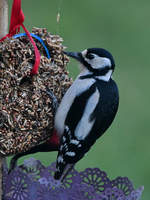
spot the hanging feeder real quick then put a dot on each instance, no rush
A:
(26, 112)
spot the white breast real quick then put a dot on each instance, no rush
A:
(79, 86)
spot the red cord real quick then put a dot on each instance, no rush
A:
(17, 19)
(37, 53)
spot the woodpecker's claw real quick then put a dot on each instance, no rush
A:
(54, 99)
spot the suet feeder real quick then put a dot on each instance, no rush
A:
(26, 112)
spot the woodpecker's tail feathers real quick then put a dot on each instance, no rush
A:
(60, 167)
(62, 173)
(57, 175)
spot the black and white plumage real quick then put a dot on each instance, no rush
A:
(88, 107)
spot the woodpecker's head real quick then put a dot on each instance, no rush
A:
(98, 61)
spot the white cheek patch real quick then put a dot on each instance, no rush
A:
(98, 62)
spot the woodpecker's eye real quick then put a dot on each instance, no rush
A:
(90, 56)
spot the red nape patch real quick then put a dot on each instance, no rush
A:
(54, 140)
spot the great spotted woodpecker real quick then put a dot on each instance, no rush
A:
(87, 109)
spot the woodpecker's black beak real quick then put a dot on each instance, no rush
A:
(75, 55)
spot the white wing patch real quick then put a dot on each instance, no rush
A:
(78, 87)
(84, 126)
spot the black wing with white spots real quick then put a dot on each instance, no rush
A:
(68, 152)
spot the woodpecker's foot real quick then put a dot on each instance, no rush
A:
(54, 99)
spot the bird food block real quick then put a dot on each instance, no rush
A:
(26, 112)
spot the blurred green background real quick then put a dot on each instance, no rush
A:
(121, 27)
